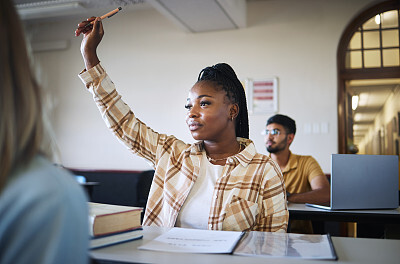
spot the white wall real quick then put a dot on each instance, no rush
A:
(154, 64)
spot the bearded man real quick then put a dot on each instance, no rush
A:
(304, 179)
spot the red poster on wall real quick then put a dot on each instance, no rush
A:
(262, 96)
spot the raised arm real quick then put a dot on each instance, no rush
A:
(118, 116)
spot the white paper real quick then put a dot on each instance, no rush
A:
(187, 240)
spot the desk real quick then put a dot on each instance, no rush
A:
(303, 212)
(348, 250)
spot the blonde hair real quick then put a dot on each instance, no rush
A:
(21, 124)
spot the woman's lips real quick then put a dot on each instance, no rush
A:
(194, 126)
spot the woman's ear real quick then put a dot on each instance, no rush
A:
(234, 111)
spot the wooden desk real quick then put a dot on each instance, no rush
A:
(348, 250)
(303, 212)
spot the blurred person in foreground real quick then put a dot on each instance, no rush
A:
(43, 210)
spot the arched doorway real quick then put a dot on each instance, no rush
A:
(368, 61)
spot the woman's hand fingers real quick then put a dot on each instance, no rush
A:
(98, 28)
(92, 35)
(84, 26)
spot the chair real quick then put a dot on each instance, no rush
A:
(143, 187)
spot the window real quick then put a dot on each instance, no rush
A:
(376, 43)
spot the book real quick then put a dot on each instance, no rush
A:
(106, 219)
(185, 240)
(117, 238)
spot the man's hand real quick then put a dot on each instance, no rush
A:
(320, 193)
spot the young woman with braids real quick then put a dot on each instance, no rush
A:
(218, 183)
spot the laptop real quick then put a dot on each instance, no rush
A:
(363, 182)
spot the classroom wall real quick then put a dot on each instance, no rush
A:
(154, 63)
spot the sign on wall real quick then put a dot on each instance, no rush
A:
(262, 95)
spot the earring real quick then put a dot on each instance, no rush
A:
(232, 118)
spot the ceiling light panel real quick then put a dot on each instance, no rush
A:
(46, 9)
(205, 15)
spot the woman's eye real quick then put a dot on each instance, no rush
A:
(188, 107)
(204, 103)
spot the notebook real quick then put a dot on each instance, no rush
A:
(363, 182)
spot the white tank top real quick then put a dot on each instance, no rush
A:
(196, 209)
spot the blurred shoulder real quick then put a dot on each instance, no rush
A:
(42, 180)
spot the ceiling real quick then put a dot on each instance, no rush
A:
(57, 10)
(187, 14)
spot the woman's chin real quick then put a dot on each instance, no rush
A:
(196, 136)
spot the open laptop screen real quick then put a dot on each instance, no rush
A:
(364, 182)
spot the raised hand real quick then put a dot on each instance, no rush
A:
(92, 31)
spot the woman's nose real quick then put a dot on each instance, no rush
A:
(192, 112)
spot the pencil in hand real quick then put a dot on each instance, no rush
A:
(108, 15)
(84, 26)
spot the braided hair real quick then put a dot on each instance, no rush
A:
(225, 77)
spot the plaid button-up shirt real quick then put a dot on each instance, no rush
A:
(249, 195)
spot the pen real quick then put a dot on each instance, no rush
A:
(108, 15)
